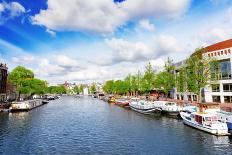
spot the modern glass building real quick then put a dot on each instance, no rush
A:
(220, 90)
(220, 87)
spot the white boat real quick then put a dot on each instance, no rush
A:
(145, 107)
(207, 122)
(170, 108)
(25, 105)
(225, 117)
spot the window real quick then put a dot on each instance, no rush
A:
(228, 99)
(227, 87)
(216, 99)
(215, 87)
(225, 68)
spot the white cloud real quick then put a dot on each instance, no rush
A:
(27, 59)
(166, 44)
(155, 8)
(2, 8)
(123, 50)
(65, 61)
(15, 9)
(103, 16)
(10, 10)
(145, 24)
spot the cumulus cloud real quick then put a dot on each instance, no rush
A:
(146, 25)
(103, 16)
(166, 44)
(122, 50)
(10, 10)
(128, 51)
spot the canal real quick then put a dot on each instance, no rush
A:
(90, 126)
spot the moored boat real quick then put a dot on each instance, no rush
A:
(111, 99)
(170, 108)
(25, 105)
(207, 122)
(225, 117)
(144, 107)
(122, 102)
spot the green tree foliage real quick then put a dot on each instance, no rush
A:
(77, 89)
(147, 81)
(33, 86)
(165, 80)
(181, 80)
(108, 87)
(25, 82)
(196, 73)
(121, 87)
(56, 90)
(93, 88)
(19, 75)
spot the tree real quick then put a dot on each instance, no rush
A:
(108, 87)
(33, 86)
(198, 74)
(57, 90)
(127, 84)
(18, 76)
(147, 82)
(93, 88)
(200, 71)
(165, 80)
(77, 90)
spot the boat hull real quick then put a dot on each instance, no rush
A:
(122, 103)
(150, 111)
(171, 113)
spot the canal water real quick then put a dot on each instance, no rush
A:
(90, 126)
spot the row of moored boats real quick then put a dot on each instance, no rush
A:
(205, 116)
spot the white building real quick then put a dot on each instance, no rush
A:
(221, 89)
(85, 91)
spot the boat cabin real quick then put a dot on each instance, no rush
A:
(204, 118)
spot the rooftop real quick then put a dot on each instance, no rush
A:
(219, 45)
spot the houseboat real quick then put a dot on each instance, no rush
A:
(207, 122)
(25, 105)
(144, 107)
(170, 108)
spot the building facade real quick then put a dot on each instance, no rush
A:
(3, 82)
(220, 90)
(220, 87)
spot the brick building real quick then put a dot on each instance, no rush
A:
(3, 82)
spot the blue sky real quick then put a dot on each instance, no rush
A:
(95, 40)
